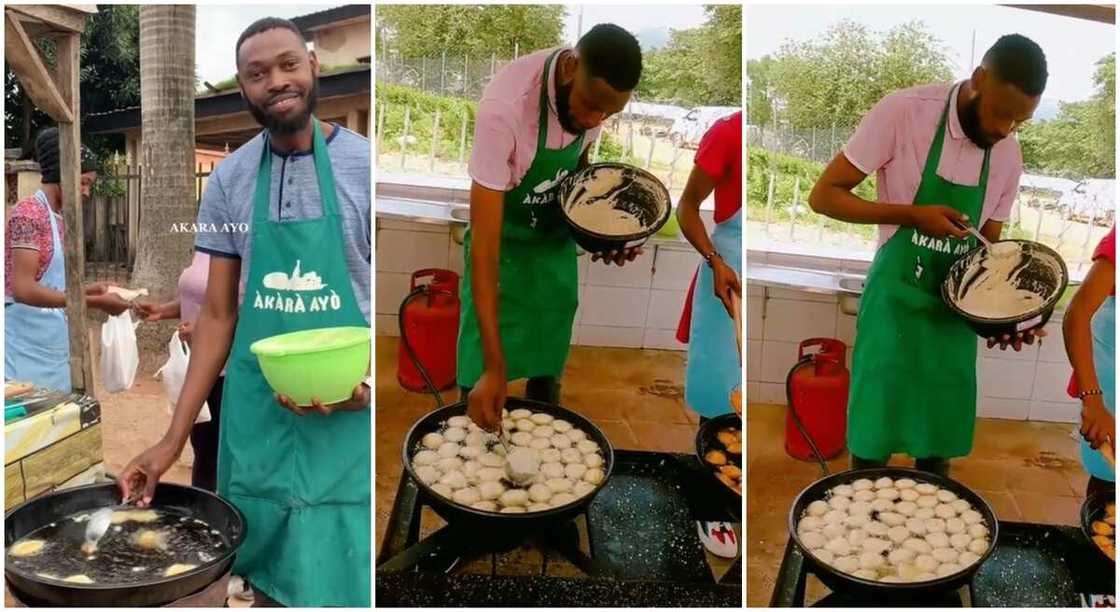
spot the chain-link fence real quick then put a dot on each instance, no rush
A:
(817, 144)
(460, 76)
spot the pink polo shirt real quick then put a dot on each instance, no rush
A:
(894, 137)
(505, 133)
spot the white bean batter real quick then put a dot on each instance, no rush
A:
(994, 294)
(600, 215)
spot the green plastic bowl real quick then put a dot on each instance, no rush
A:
(327, 364)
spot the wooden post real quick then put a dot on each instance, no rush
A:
(463, 140)
(101, 226)
(769, 201)
(404, 138)
(380, 124)
(793, 209)
(435, 142)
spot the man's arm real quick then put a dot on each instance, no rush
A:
(487, 398)
(992, 230)
(27, 290)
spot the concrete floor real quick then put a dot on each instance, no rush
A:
(1027, 471)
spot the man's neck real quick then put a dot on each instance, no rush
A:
(301, 140)
(964, 93)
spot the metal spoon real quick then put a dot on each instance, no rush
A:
(96, 527)
(972, 230)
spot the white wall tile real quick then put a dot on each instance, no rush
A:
(665, 309)
(791, 321)
(755, 290)
(755, 321)
(777, 359)
(772, 393)
(662, 339)
(583, 262)
(845, 328)
(802, 296)
(400, 251)
(1055, 412)
(754, 393)
(386, 325)
(754, 360)
(673, 269)
(627, 337)
(637, 273)
(998, 408)
(614, 306)
(1005, 378)
(391, 289)
(411, 226)
(1053, 347)
(1051, 381)
(455, 261)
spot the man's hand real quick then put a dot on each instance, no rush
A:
(110, 303)
(617, 257)
(140, 477)
(359, 400)
(93, 289)
(1021, 338)
(149, 312)
(486, 400)
(1097, 425)
(938, 221)
(186, 328)
(725, 283)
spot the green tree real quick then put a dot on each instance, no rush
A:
(459, 29)
(699, 66)
(760, 106)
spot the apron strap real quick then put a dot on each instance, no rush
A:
(327, 194)
(933, 158)
(542, 130)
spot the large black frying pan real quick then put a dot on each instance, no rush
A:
(1093, 510)
(847, 583)
(706, 440)
(153, 592)
(529, 521)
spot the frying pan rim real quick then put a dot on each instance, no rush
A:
(1093, 503)
(651, 230)
(1048, 304)
(712, 423)
(913, 473)
(97, 586)
(608, 461)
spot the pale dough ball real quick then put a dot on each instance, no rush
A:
(977, 531)
(456, 480)
(864, 495)
(540, 443)
(845, 490)
(833, 531)
(961, 505)
(960, 541)
(449, 464)
(488, 506)
(512, 510)
(540, 493)
(551, 455)
(917, 545)
(544, 431)
(561, 441)
(520, 413)
(561, 426)
(972, 517)
(542, 418)
(904, 483)
(978, 547)
(891, 578)
(926, 576)
(521, 438)
(863, 484)
(514, 497)
(835, 517)
(858, 507)
(587, 446)
(876, 528)
(508, 425)
(561, 499)
(499, 450)
(926, 563)
(459, 421)
(427, 474)
(935, 525)
(470, 470)
(945, 555)
(880, 505)
(571, 455)
(552, 470)
(576, 435)
(926, 488)
(840, 503)
(901, 555)
(846, 564)
(491, 460)
(466, 496)
(559, 485)
(938, 540)
(448, 449)
(525, 425)
(432, 440)
(908, 572)
(955, 525)
(593, 460)
(916, 526)
(870, 560)
(455, 434)
(825, 556)
(947, 569)
(490, 473)
(594, 475)
(924, 513)
(425, 457)
(967, 558)
(491, 489)
(470, 452)
(582, 488)
(839, 546)
(813, 540)
(443, 490)
(876, 545)
(927, 501)
(866, 574)
(538, 507)
(884, 483)
(944, 511)
(856, 537)
(857, 520)
(908, 495)
(945, 496)
(889, 494)
(899, 534)
(905, 508)
(892, 518)
(575, 471)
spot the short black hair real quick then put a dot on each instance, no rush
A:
(263, 25)
(1018, 60)
(612, 54)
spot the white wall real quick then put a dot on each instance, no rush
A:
(1029, 385)
(635, 306)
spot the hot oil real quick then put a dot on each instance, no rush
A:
(119, 560)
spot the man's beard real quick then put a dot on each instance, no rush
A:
(564, 109)
(970, 122)
(286, 127)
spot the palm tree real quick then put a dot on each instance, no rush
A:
(167, 147)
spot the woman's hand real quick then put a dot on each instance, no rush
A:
(149, 312)
(725, 282)
(109, 303)
(186, 328)
(140, 477)
(1097, 425)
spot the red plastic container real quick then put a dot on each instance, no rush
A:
(819, 394)
(431, 322)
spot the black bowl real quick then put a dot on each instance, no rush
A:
(1045, 274)
(37, 512)
(641, 194)
(706, 440)
(847, 583)
(453, 512)
(1092, 509)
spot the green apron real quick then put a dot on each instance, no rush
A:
(302, 482)
(538, 287)
(913, 384)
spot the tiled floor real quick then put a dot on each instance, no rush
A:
(1028, 471)
(634, 396)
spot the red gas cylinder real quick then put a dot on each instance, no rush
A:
(430, 322)
(818, 389)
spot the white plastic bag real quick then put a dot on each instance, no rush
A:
(119, 354)
(174, 374)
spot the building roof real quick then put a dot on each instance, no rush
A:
(314, 21)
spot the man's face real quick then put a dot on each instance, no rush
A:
(584, 102)
(86, 184)
(995, 110)
(279, 80)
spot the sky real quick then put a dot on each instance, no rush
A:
(1072, 46)
(635, 19)
(217, 28)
